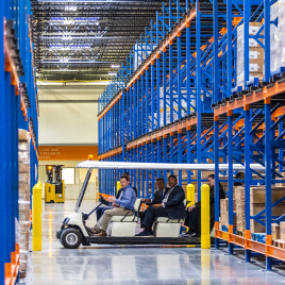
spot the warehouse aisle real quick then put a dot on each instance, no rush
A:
(118, 265)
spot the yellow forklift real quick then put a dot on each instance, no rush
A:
(54, 188)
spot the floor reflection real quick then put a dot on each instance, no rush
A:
(117, 265)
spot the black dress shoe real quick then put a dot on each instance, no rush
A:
(144, 234)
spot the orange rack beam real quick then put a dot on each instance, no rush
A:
(175, 127)
(12, 268)
(10, 67)
(257, 96)
(110, 153)
(265, 249)
(176, 32)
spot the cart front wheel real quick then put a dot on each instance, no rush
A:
(71, 238)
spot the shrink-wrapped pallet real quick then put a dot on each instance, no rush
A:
(277, 36)
(256, 54)
(24, 201)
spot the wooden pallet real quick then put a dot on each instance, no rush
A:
(279, 243)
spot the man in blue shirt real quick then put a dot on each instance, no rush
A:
(100, 211)
(121, 207)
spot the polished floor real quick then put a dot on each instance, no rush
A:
(114, 265)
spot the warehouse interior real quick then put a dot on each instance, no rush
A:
(143, 142)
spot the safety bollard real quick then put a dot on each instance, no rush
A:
(190, 194)
(205, 217)
(118, 186)
(37, 217)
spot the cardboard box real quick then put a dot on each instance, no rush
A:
(25, 226)
(240, 224)
(278, 210)
(24, 168)
(24, 157)
(257, 194)
(239, 193)
(240, 210)
(275, 231)
(23, 135)
(24, 197)
(24, 178)
(282, 230)
(253, 28)
(24, 206)
(24, 188)
(224, 205)
(24, 216)
(256, 227)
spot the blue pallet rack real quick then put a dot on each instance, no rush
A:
(181, 103)
(18, 111)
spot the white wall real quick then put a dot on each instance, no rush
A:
(63, 122)
(68, 123)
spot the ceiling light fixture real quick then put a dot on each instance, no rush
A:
(70, 8)
(68, 22)
(67, 38)
(115, 66)
(112, 73)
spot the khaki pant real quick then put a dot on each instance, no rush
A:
(102, 224)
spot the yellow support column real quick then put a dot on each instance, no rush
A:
(205, 217)
(118, 186)
(37, 217)
(190, 194)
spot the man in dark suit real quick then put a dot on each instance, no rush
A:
(158, 196)
(172, 206)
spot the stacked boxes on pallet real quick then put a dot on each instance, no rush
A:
(24, 200)
(257, 204)
(256, 54)
(224, 206)
(240, 208)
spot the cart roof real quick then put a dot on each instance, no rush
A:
(166, 166)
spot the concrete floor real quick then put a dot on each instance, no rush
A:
(55, 265)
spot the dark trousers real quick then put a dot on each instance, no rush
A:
(150, 214)
(100, 211)
(142, 215)
(193, 219)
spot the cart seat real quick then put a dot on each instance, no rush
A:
(125, 226)
(124, 219)
(167, 220)
(166, 227)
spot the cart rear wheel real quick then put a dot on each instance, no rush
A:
(71, 238)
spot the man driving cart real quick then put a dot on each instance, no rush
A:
(123, 206)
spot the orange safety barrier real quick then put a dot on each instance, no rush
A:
(12, 268)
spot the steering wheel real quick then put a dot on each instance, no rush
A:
(103, 200)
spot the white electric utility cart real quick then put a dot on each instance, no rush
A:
(73, 231)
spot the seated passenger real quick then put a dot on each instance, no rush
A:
(124, 206)
(193, 212)
(172, 206)
(100, 211)
(239, 175)
(159, 195)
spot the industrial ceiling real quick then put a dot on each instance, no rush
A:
(86, 39)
